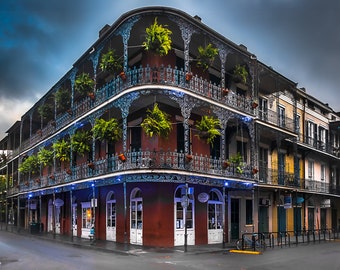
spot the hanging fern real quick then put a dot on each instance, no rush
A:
(45, 110)
(237, 161)
(158, 39)
(208, 128)
(45, 157)
(63, 99)
(110, 62)
(206, 56)
(157, 123)
(84, 84)
(240, 73)
(107, 130)
(80, 142)
(30, 164)
(62, 150)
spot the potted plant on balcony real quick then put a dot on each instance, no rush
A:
(107, 130)
(240, 74)
(157, 46)
(45, 111)
(29, 165)
(122, 157)
(208, 128)
(237, 162)
(110, 62)
(206, 56)
(62, 150)
(63, 99)
(158, 39)
(80, 142)
(84, 85)
(45, 157)
(156, 122)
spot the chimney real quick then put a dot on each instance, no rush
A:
(103, 30)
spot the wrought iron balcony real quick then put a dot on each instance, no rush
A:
(316, 186)
(320, 145)
(144, 76)
(141, 160)
(276, 178)
(275, 118)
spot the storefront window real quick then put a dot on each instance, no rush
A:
(87, 218)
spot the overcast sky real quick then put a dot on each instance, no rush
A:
(41, 39)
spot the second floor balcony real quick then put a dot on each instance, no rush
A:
(138, 162)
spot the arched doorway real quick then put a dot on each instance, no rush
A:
(215, 217)
(111, 216)
(50, 216)
(74, 216)
(136, 217)
(58, 203)
(183, 216)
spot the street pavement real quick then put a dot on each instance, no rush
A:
(21, 250)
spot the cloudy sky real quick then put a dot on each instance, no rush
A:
(40, 40)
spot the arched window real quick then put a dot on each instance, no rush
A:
(181, 215)
(215, 210)
(110, 210)
(136, 209)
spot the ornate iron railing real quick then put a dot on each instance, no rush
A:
(144, 76)
(140, 160)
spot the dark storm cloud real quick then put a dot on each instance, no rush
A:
(41, 39)
(300, 39)
(32, 34)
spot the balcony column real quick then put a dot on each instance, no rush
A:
(254, 144)
(31, 119)
(124, 104)
(92, 120)
(187, 30)
(18, 213)
(72, 79)
(11, 140)
(253, 70)
(186, 104)
(224, 117)
(124, 31)
(71, 132)
(223, 52)
(71, 214)
(94, 57)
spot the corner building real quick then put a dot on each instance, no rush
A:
(274, 166)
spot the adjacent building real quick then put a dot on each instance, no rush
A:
(86, 158)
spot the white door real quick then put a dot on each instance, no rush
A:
(136, 217)
(74, 219)
(58, 203)
(183, 215)
(215, 217)
(86, 219)
(50, 216)
(57, 220)
(110, 217)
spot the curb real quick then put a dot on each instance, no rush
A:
(245, 252)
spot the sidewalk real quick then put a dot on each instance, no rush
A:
(120, 248)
